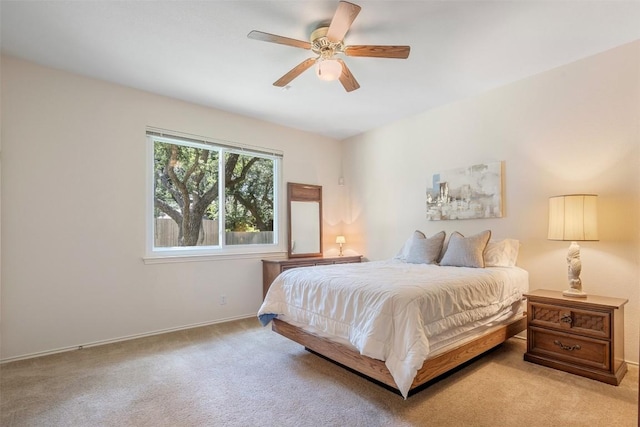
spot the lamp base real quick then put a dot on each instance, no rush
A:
(574, 266)
(574, 293)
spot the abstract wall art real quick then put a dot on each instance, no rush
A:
(466, 193)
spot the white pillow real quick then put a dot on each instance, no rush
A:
(404, 250)
(466, 251)
(501, 253)
(425, 250)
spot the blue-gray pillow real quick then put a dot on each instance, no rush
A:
(425, 250)
(466, 251)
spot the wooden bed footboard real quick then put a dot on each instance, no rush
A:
(377, 370)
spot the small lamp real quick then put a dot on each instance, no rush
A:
(573, 218)
(341, 241)
(328, 69)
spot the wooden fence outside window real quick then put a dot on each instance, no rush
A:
(166, 235)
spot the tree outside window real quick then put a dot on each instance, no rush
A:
(191, 179)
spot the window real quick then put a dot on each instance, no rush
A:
(209, 197)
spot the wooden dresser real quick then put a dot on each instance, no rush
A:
(583, 336)
(271, 268)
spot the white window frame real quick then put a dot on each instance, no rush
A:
(204, 253)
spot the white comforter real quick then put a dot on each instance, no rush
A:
(390, 310)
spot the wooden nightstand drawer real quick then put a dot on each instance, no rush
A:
(585, 322)
(289, 267)
(343, 260)
(574, 349)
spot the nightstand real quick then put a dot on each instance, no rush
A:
(271, 268)
(583, 336)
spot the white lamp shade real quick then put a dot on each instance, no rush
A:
(573, 217)
(328, 69)
(341, 240)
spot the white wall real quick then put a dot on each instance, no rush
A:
(73, 212)
(570, 130)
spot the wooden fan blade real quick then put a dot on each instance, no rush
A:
(341, 22)
(346, 78)
(272, 38)
(401, 52)
(295, 72)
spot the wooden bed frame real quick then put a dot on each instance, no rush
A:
(377, 370)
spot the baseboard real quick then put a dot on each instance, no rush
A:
(124, 338)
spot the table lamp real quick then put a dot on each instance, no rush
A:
(341, 241)
(573, 218)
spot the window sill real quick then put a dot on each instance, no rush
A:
(169, 259)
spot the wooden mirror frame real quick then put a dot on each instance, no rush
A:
(304, 193)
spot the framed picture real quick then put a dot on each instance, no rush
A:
(466, 193)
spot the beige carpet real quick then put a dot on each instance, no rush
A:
(240, 374)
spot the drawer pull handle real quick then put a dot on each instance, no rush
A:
(567, 347)
(566, 318)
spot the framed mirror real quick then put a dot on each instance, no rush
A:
(305, 220)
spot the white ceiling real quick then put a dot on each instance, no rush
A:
(198, 51)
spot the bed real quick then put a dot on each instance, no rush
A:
(398, 322)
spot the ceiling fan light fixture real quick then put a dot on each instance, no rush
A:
(328, 69)
(327, 41)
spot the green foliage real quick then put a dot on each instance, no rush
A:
(249, 193)
(186, 189)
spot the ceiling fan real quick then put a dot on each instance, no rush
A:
(327, 42)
